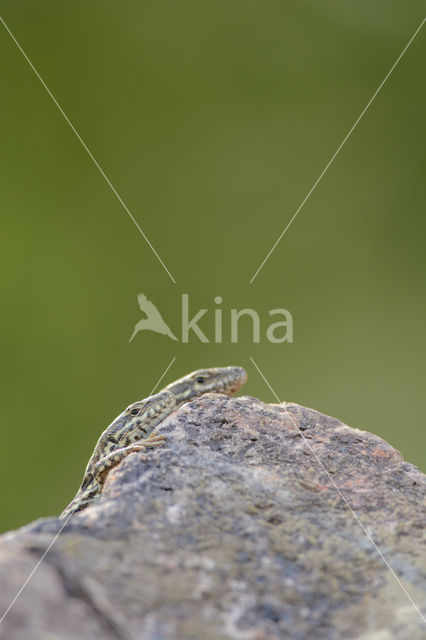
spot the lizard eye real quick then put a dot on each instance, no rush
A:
(200, 380)
(134, 412)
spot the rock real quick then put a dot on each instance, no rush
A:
(232, 530)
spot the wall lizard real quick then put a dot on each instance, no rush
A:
(132, 430)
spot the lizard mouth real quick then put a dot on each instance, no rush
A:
(237, 378)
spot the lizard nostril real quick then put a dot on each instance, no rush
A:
(134, 412)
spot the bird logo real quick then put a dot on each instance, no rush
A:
(153, 320)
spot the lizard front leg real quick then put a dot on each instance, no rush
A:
(91, 489)
(139, 437)
(113, 459)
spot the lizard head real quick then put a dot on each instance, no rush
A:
(152, 409)
(136, 422)
(225, 380)
(138, 418)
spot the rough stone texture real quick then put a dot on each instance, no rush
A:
(232, 531)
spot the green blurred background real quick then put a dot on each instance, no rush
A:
(212, 120)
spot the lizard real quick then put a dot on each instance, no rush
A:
(133, 429)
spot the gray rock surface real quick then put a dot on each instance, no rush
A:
(232, 530)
